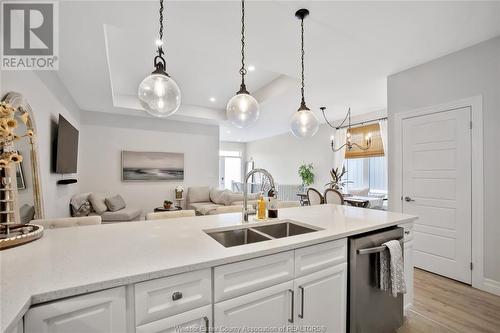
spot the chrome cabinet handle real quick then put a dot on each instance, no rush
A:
(301, 314)
(408, 199)
(207, 324)
(290, 320)
(176, 296)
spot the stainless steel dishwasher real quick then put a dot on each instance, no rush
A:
(371, 310)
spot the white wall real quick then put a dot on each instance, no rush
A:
(283, 154)
(104, 136)
(466, 73)
(47, 97)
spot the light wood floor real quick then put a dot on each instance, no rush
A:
(442, 305)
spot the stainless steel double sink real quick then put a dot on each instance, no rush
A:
(259, 233)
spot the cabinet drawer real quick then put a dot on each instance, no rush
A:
(250, 275)
(103, 311)
(197, 320)
(408, 227)
(317, 257)
(165, 297)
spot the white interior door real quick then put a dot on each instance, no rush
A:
(437, 188)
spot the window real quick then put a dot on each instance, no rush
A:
(360, 135)
(368, 172)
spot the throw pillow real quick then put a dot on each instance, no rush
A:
(98, 203)
(198, 194)
(115, 203)
(218, 196)
(232, 197)
(82, 210)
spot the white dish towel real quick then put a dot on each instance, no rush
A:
(391, 269)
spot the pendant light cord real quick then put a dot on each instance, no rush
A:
(243, 70)
(303, 103)
(160, 47)
(161, 20)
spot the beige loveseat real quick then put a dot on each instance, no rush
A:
(210, 201)
(206, 200)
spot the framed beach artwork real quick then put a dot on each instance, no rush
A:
(152, 166)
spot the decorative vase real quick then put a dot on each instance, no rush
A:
(178, 194)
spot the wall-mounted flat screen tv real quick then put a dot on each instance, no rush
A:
(66, 147)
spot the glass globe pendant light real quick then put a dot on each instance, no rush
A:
(242, 109)
(303, 123)
(158, 94)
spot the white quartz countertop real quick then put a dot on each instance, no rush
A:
(71, 261)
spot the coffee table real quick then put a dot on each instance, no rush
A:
(171, 209)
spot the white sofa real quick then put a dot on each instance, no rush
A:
(210, 201)
(123, 215)
(206, 200)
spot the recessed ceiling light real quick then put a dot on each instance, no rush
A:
(251, 68)
(212, 99)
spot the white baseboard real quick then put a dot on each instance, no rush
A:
(490, 286)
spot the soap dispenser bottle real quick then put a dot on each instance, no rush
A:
(272, 208)
(261, 208)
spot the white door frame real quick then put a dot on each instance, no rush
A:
(477, 204)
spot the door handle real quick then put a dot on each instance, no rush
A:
(408, 199)
(301, 314)
(207, 324)
(290, 320)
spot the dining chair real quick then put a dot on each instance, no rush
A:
(170, 214)
(333, 197)
(314, 197)
(68, 222)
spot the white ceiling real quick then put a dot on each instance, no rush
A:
(107, 48)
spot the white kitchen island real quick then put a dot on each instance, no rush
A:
(149, 276)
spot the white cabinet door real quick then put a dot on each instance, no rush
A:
(197, 320)
(262, 309)
(408, 257)
(321, 298)
(102, 311)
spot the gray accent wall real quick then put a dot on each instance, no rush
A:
(469, 72)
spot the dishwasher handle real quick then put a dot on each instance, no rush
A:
(376, 249)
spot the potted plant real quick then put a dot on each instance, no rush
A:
(167, 204)
(337, 183)
(306, 174)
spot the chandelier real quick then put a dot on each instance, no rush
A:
(349, 144)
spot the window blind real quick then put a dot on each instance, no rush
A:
(359, 135)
